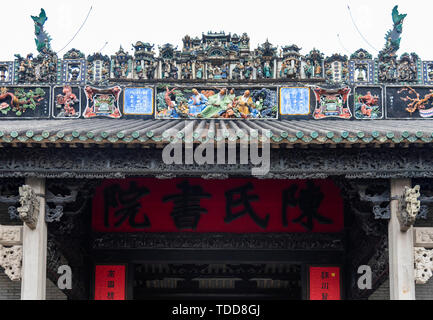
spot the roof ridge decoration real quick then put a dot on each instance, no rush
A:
(43, 40)
(218, 76)
(219, 56)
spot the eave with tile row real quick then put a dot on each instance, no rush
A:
(155, 132)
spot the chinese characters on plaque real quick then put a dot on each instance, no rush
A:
(138, 101)
(110, 282)
(232, 206)
(325, 283)
(294, 101)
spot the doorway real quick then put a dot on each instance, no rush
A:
(225, 281)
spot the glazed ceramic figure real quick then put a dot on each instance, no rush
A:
(225, 72)
(199, 73)
(267, 70)
(216, 104)
(245, 103)
(259, 72)
(210, 72)
(309, 69)
(236, 73)
(318, 70)
(139, 69)
(360, 74)
(74, 73)
(197, 102)
(22, 71)
(150, 69)
(67, 100)
(173, 71)
(248, 71)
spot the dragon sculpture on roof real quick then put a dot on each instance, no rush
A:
(42, 38)
(393, 37)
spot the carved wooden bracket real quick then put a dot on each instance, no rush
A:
(29, 210)
(11, 238)
(381, 203)
(409, 207)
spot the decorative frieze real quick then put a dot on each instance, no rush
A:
(298, 164)
(275, 241)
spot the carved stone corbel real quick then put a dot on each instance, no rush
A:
(409, 207)
(30, 205)
(423, 265)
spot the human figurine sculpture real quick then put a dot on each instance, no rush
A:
(197, 102)
(139, 69)
(267, 70)
(245, 103)
(216, 104)
(236, 73)
(248, 71)
(199, 73)
(309, 69)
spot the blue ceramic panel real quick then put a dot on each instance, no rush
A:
(138, 101)
(295, 101)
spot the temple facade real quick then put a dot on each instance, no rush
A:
(216, 171)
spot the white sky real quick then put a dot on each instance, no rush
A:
(306, 23)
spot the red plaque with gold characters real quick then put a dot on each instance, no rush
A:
(325, 283)
(110, 282)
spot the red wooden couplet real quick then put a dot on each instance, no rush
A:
(325, 283)
(110, 282)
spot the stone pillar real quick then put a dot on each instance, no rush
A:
(159, 75)
(34, 271)
(401, 259)
(193, 71)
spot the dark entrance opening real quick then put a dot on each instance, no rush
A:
(225, 281)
